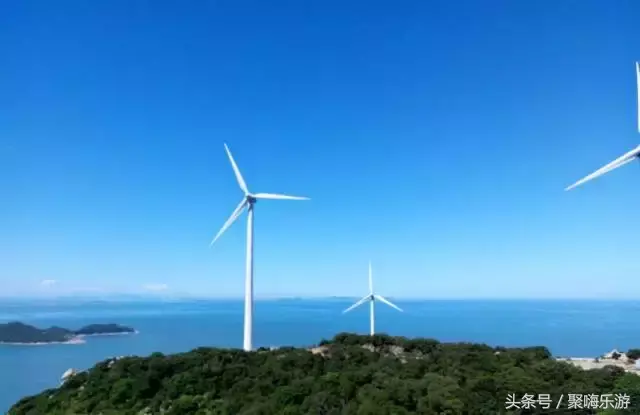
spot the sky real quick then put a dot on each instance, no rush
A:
(433, 138)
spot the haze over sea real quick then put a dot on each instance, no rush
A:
(568, 328)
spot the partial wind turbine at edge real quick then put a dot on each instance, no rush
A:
(625, 158)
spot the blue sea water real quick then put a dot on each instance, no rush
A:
(567, 328)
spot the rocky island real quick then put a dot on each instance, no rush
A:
(350, 374)
(103, 329)
(20, 333)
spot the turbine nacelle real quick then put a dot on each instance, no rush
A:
(371, 297)
(249, 198)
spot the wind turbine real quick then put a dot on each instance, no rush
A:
(625, 158)
(372, 298)
(248, 203)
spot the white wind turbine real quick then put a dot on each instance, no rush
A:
(248, 201)
(372, 298)
(625, 158)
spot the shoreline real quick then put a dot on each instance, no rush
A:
(74, 340)
(78, 339)
(590, 363)
(124, 333)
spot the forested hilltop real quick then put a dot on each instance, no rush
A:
(350, 374)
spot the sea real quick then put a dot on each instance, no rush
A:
(578, 328)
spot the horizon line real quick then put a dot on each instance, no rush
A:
(167, 296)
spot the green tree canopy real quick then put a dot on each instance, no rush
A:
(349, 374)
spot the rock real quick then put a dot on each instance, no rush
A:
(396, 350)
(611, 353)
(319, 350)
(369, 347)
(68, 374)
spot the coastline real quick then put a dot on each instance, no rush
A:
(74, 340)
(108, 334)
(590, 363)
(78, 339)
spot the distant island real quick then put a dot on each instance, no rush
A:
(20, 333)
(103, 329)
(348, 375)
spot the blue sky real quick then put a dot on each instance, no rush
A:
(435, 138)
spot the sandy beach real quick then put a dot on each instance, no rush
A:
(75, 340)
(107, 334)
(78, 339)
(589, 363)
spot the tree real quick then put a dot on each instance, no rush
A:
(633, 354)
(354, 375)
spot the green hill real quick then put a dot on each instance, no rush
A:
(350, 374)
(17, 332)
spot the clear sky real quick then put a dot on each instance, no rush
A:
(434, 137)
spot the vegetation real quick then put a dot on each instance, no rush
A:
(103, 329)
(633, 354)
(23, 333)
(16, 332)
(350, 374)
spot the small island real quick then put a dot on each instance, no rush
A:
(20, 333)
(103, 329)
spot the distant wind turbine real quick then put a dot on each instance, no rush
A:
(248, 201)
(372, 298)
(625, 158)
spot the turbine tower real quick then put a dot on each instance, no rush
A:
(372, 298)
(248, 203)
(625, 158)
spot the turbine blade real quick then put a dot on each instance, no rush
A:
(620, 161)
(370, 279)
(387, 302)
(241, 182)
(231, 219)
(638, 88)
(357, 304)
(277, 196)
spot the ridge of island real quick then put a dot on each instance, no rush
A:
(348, 375)
(18, 333)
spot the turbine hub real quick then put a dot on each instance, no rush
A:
(251, 200)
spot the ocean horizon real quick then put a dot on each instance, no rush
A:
(571, 327)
